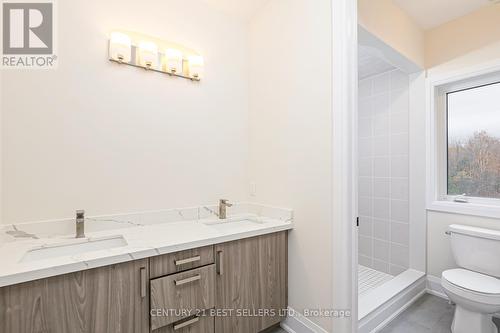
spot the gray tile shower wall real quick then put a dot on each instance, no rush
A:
(383, 172)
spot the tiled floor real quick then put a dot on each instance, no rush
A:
(369, 279)
(429, 314)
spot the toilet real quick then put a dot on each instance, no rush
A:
(475, 286)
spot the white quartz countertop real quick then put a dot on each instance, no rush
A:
(138, 240)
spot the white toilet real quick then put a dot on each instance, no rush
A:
(475, 287)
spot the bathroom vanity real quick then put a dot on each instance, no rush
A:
(238, 285)
(248, 274)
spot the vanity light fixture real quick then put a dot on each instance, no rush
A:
(148, 55)
(195, 63)
(174, 61)
(120, 47)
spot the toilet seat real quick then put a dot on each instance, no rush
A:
(472, 285)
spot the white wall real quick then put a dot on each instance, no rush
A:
(439, 256)
(291, 137)
(112, 139)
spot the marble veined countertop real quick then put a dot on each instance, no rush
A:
(31, 251)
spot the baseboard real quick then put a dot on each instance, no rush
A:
(434, 287)
(297, 323)
(287, 328)
(383, 315)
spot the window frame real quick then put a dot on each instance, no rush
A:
(438, 198)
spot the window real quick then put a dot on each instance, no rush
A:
(463, 142)
(473, 139)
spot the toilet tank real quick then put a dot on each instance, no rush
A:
(476, 249)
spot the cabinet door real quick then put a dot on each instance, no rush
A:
(111, 299)
(251, 283)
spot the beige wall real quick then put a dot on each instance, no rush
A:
(461, 36)
(291, 131)
(112, 139)
(1, 140)
(435, 46)
(391, 24)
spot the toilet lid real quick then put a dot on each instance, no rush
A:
(473, 281)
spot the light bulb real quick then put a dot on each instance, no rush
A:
(148, 54)
(120, 47)
(173, 59)
(196, 64)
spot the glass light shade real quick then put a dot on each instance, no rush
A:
(148, 54)
(196, 64)
(120, 47)
(173, 59)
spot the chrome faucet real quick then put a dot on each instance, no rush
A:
(80, 224)
(223, 204)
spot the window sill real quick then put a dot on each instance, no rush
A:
(474, 209)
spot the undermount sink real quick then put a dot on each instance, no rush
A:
(75, 247)
(233, 225)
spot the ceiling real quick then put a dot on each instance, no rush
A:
(432, 13)
(244, 9)
(371, 62)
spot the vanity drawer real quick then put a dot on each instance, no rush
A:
(190, 325)
(172, 296)
(181, 261)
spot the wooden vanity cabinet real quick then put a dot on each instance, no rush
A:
(247, 276)
(247, 286)
(111, 299)
(252, 277)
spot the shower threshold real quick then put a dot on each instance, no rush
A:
(384, 296)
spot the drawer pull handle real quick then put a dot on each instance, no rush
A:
(220, 257)
(143, 282)
(187, 261)
(188, 280)
(186, 323)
